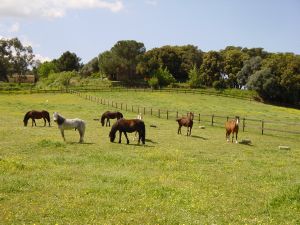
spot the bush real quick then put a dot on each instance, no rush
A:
(164, 77)
(219, 84)
(153, 82)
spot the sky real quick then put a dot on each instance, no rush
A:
(90, 27)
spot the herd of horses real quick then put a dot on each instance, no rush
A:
(122, 125)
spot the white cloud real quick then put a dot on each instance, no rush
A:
(14, 28)
(53, 8)
(42, 58)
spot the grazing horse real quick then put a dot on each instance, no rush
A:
(186, 121)
(123, 125)
(36, 115)
(68, 124)
(232, 126)
(110, 115)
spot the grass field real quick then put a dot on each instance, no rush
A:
(173, 179)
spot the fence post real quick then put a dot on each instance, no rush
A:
(132, 108)
(262, 127)
(126, 106)
(199, 117)
(243, 124)
(151, 111)
(138, 109)
(144, 110)
(212, 119)
(167, 114)
(176, 114)
(121, 106)
(227, 118)
(158, 113)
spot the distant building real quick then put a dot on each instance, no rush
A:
(16, 78)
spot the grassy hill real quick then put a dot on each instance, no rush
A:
(173, 179)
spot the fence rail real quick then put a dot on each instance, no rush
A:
(246, 124)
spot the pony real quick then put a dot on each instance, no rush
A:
(110, 115)
(36, 115)
(232, 126)
(186, 121)
(122, 125)
(68, 124)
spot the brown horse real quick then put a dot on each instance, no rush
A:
(123, 125)
(186, 121)
(232, 126)
(110, 115)
(36, 115)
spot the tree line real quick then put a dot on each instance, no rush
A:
(275, 76)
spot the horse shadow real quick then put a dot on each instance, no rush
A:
(199, 137)
(82, 143)
(149, 140)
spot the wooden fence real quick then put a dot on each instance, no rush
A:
(247, 124)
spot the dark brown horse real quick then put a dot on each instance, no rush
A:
(232, 126)
(123, 125)
(36, 115)
(110, 115)
(186, 121)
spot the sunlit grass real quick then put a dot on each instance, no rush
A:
(173, 179)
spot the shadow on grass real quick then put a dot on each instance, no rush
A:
(84, 143)
(199, 137)
(247, 144)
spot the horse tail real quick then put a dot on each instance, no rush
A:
(143, 133)
(47, 115)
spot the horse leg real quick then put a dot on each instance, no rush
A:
(81, 136)
(232, 137)
(179, 130)
(120, 134)
(227, 136)
(190, 131)
(236, 135)
(126, 137)
(108, 122)
(63, 134)
(44, 122)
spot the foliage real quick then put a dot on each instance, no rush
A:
(164, 77)
(194, 78)
(90, 68)
(14, 57)
(177, 59)
(153, 82)
(61, 79)
(68, 62)
(121, 61)
(44, 69)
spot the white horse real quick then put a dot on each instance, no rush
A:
(68, 124)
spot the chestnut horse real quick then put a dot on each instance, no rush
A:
(123, 125)
(186, 121)
(232, 126)
(110, 115)
(36, 115)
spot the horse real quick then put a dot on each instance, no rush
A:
(140, 117)
(110, 115)
(232, 126)
(68, 124)
(122, 125)
(36, 115)
(186, 121)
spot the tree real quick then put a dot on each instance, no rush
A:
(46, 68)
(90, 68)
(14, 57)
(177, 59)
(68, 62)
(163, 76)
(233, 59)
(194, 78)
(121, 61)
(250, 67)
(212, 68)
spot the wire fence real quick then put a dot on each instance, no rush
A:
(246, 124)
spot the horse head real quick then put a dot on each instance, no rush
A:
(58, 118)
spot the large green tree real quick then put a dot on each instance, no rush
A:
(120, 62)
(14, 57)
(68, 61)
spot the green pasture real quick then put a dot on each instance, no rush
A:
(173, 179)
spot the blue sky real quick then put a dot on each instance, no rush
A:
(89, 27)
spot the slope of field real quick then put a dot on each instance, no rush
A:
(173, 179)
